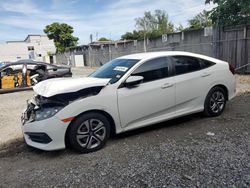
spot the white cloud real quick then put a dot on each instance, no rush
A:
(118, 17)
(25, 7)
(115, 18)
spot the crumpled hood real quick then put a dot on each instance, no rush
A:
(56, 86)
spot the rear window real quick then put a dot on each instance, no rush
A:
(185, 64)
(206, 63)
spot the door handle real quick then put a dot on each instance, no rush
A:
(205, 74)
(166, 85)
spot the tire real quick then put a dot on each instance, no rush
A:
(89, 132)
(215, 102)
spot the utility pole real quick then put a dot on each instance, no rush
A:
(91, 38)
(144, 43)
(110, 55)
(144, 38)
(96, 34)
(89, 56)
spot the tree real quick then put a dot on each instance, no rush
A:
(135, 35)
(230, 12)
(150, 25)
(62, 36)
(155, 24)
(164, 25)
(147, 23)
(103, 39)
(201, 20)
(180, 28)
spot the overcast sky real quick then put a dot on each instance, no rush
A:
(108, 18)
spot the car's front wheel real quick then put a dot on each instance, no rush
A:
(215, 102)
(89, 132)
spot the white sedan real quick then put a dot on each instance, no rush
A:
(129, 92)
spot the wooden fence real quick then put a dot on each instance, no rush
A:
(232, 44)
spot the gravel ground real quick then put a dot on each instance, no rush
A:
(188, 152)
(84, 71)
(12, 105)
(243, 83)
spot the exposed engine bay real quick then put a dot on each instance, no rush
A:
(41, 107)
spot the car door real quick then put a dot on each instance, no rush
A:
(151, 101)
(11, 77)
(191, 84)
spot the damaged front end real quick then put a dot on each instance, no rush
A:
(40, 107)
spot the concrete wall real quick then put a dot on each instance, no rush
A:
(66, 58)
(231, 44)
(97, 55)
(15, 50)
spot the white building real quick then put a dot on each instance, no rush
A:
(36, 47)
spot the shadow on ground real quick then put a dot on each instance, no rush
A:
(17, 146)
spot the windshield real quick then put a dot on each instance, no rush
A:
(114, 69)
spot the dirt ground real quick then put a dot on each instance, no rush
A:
(188, 152)
(12, 105)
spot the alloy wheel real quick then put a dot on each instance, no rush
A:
(217, 102)
(91, 133)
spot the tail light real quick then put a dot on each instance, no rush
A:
(231, 68)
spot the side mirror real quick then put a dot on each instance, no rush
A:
(54, 69)
(133, 81)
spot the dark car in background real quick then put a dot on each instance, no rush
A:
(23, 74)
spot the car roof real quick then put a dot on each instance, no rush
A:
(20, 62)
(29, 61)
(150, 55)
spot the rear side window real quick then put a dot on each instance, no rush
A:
(206, 64)
(153, 69)
(184, 64)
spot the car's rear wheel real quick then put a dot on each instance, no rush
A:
(89, 132)
(215, 102)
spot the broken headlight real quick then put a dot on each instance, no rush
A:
(45, 113)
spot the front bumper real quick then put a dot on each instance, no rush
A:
(42, 138)
(47, 134)
(54, 128)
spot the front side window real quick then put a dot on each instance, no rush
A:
(185, 64)
(153, 69)
(114, 69)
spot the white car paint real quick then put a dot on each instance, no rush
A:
(132, 108)
(51, 87)
(145, 99)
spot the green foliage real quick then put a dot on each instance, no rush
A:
(201, 20)
(103, 39)
(150, 25)
(62, 36)
(180, 28)
(155, 24)
(164, 25)
(230, 12)
(147, 23)
(135, 35)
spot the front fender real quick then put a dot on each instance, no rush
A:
(98, 102)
